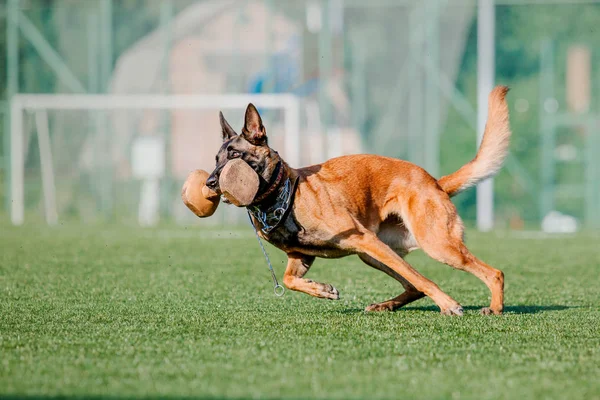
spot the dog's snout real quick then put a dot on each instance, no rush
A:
(212, 181)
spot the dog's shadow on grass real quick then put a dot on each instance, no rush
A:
(517, 309)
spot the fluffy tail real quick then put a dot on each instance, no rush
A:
(493, 149)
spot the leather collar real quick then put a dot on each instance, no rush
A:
(279, 169)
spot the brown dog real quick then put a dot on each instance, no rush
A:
(376, 207)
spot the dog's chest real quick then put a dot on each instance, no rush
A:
(287, 234)
(291, 236)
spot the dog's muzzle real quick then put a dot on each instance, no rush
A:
(212, 182)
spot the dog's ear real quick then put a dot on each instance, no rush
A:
(226, 129)
(253, 130)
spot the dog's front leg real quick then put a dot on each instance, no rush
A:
(298, 265)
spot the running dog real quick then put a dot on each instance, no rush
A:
(376, 207)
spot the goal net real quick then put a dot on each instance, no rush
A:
(125, 157)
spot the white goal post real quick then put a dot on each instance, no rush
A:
(39, 104)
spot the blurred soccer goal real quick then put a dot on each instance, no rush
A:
(122, 155)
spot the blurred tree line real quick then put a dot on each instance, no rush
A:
(131, 21)
(519, 29)
(64, 26)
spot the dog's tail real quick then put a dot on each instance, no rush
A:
(493, 149)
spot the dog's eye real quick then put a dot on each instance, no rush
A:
(234, 154)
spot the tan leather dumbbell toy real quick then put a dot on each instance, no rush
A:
(197, 196)
(238, 183)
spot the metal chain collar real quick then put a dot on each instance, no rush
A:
(272, 216)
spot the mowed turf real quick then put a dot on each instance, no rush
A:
(176, 312)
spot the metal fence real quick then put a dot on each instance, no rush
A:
(392, 77)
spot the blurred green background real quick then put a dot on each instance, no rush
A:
(387, 77)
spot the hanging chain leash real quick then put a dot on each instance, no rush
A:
(277, 288)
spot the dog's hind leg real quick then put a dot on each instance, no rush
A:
(410, 292)
(298, 265)
(367, 243)
(456, 254)
(440, 235)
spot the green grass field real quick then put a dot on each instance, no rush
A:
(176, 312)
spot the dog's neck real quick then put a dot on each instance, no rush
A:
(269, 188)
(273, 204)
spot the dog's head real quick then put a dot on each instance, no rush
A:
(251, 146)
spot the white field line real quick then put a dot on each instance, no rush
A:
(536, 235)
(199, 234)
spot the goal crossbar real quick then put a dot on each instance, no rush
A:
(41, 102)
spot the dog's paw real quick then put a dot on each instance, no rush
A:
(385, 306)
(329, 292)
(489, 311)
(458, 310)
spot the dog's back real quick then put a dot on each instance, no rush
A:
(364, 174)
